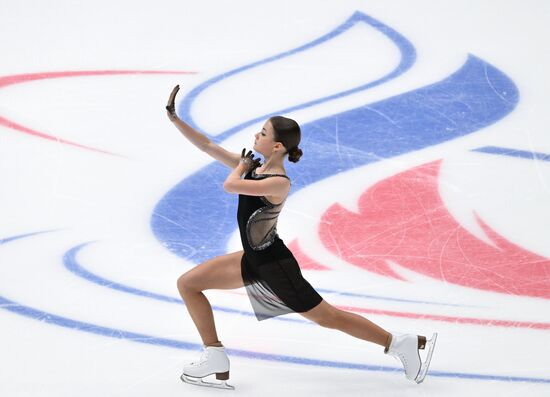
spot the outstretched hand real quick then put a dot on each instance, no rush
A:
(170, 108)
(249, 160)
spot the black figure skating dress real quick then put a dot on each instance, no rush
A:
(271, 274)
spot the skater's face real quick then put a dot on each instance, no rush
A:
(265, 141)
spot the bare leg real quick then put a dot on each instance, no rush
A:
(353, 324)
(362, 328)
(201, 313)
(222, 272)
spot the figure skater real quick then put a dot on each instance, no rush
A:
(265, 266)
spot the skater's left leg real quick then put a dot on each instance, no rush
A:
(405, 347)
(353, 324)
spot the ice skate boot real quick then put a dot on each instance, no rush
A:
(213, 360)
(407, 349)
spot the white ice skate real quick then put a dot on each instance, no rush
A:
(407, 349)
(213, 360)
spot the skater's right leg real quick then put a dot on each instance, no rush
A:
(221, 272)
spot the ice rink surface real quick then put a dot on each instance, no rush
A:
(422, 200)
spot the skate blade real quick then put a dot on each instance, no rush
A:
(430, 344)
(199, 382)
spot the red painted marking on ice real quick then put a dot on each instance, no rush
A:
(486, 322)
(305, 262)
(25, 78)
(451, 319)
(14, 126)
(403, 219)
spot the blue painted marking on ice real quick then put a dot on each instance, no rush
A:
(50, 318)
(405, 47)
(65, 322)
(82, 326)
(196, 218)
(71, 263)
(167, 227)
(502, 151)
(20, 236)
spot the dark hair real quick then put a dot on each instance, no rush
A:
(287, 131)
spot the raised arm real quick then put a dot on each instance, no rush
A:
(201, 141)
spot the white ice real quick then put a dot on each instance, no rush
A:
(78, 196)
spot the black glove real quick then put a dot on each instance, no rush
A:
(170, 107)
(249, 160)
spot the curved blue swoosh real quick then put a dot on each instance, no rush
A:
(195, 219)
(405, 47)
(81, 326)
(70, 262)
(523, 154)
(65, 322)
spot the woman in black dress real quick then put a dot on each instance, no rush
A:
(265, 266)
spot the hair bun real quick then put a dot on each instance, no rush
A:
(294, 154)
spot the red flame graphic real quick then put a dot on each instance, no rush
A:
(403, 219)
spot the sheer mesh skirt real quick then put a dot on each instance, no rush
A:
(277, 288)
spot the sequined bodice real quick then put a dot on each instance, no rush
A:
(257, 217)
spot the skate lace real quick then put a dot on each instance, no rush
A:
(403, 359)
(398, 356)
(202, 359)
